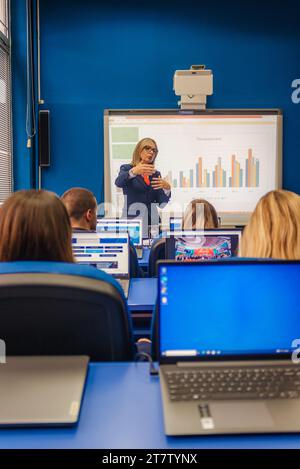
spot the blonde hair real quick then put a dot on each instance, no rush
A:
(191, 215)
(136, 156)
(274, 227)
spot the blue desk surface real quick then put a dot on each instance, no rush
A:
(142, 294)
(122, 409)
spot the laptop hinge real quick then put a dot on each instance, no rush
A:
(237, 363)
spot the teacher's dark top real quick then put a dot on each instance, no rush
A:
(137, 191)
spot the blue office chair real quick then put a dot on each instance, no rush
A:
(157, 252)
(134, 269)
(56, 308)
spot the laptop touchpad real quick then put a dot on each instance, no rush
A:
(240, 415)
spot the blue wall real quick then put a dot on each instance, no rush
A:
(98, 54)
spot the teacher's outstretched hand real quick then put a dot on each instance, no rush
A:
(160, 183)
(143, 168)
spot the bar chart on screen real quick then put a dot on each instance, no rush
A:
(219, 177)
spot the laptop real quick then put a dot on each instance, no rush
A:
(105, 251)
(175, 223)
(42, 391)
(132, 226)
(203, 244)
(226, 332)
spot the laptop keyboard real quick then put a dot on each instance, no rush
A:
(240, 383)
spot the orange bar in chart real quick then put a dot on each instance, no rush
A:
(249, 163)
(199, 175)
(237, 174)
(233, 171)
(220, 173)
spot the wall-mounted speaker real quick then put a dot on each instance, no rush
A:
(44, 138)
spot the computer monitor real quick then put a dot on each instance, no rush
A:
(106, 251)
(175, 223)
(122, 225)
(229, 308)
(202, 245)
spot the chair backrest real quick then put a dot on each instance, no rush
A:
(49, 308)
(134, 269)
(157, 252)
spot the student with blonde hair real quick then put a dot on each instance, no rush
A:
(274, 227)
(200, 214)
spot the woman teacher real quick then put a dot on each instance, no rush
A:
(143, 186)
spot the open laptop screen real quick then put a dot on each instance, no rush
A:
(117, 225)
(175, 223)
(228, 308)
(202, 245)
(106, 251)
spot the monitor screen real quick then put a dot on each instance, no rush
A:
(228, 308)
(198, 246)
(106, 251)
(175, 223)
(229, 157)
(116, 225)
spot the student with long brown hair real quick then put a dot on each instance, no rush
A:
(200, 214)
(34, 226)
(274, 227)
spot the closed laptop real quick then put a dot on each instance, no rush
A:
(42, 391)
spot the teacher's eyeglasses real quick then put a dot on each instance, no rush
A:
(153, 150)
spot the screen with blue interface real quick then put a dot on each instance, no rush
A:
(106, 251)
(228, 308)
(175, 223)
(117, 225)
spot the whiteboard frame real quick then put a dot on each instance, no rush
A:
(236, 218)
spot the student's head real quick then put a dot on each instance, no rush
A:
(145, 151)
(34, 225)
(274, 227)
(81, 206)
(200, 214)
